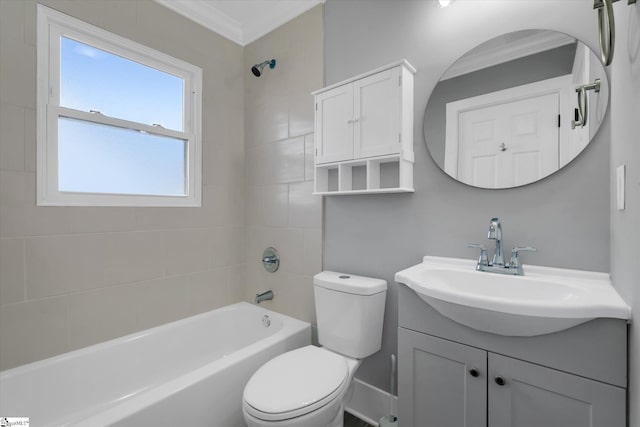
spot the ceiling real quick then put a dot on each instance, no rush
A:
(241, 21)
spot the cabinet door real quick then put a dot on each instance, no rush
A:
(535, 396)
(377, 114)
(334, 125)
(436, 385)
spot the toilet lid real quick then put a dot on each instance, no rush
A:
(295, 380)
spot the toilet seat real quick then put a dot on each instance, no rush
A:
(296, 383)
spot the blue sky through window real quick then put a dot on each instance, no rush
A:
(104, 159)
(92, 79)
(95, 158)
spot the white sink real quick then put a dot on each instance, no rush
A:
(543, 301)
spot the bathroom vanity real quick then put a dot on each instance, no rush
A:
(453, 375)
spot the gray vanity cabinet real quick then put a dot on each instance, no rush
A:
(450, 375)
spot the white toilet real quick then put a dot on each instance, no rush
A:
(308, 387)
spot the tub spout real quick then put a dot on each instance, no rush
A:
(265, 296)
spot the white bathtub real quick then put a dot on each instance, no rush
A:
(187, 373)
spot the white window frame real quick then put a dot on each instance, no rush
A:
(52, 25)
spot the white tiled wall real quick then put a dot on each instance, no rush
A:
(72, 277)
(280, 209)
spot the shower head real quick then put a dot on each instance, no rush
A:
(257, 69)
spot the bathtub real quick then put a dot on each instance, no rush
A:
(187, 373)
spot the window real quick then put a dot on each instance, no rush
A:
(119, 124)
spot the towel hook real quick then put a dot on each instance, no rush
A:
(583, 103)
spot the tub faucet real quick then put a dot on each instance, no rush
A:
(495, 233)
(265, 296)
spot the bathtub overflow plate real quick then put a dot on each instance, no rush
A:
(266, 321)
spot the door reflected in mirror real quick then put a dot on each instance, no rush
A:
(507, 113)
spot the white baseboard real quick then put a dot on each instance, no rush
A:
(369, 403)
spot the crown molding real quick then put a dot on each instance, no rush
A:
(498, 54)
(283, 12)
(252, 27)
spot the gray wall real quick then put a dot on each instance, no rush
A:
(625, 149)
(566, 216)
(533, 68)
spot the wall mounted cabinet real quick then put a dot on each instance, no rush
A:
(364, 133)
(452, 376)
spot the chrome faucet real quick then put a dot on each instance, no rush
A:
(498, 265)
(495, 233)
(265, 296)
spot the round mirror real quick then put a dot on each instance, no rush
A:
(515, 109)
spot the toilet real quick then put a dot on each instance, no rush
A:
(309, 386)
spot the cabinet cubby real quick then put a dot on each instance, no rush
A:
(386, 174)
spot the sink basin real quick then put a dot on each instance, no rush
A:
(544, 301)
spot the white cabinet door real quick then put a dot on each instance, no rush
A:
(334, 125)
(377, 114)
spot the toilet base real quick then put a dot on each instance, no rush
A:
(338, 421)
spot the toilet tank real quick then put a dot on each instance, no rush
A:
(349, 312)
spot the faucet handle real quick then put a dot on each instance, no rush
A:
(515, 262)
(483, 259)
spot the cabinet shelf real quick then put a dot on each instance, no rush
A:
(364, 133)
(376, 175)
(352, 192)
